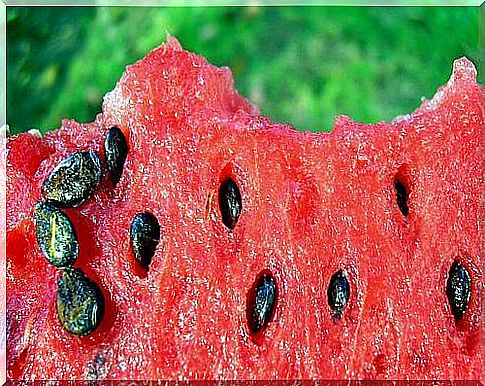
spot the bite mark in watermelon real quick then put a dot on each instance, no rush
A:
(339, 245)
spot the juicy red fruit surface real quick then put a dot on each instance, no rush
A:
(312, 205)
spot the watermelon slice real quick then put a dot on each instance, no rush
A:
(207, 242)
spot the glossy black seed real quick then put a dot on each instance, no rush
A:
(230, 203)
(73, 180)
(56, 235)
(115, 150)
(338, 292)
(261, 302)
(145, 235)
(458, 289)
(80, 303)
(402, 197)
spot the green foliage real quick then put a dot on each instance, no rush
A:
(301, 65)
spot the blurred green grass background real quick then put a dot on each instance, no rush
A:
(301, 65)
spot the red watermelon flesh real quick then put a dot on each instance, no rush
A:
(312, 204)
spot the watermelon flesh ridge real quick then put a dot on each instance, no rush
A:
(313, 203)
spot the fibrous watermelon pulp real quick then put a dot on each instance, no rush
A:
(352, 234)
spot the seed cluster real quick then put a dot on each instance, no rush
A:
(80, 302)
(263, 295)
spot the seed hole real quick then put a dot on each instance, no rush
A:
(458, 289)
(230, 203)
(401, 197)
(402, 188)
(338, 293)
(261, 301)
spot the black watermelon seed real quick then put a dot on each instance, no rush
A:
(458, 289)
(73, 180)
(115, 151)
(402, 197)
(145, 235)
(338, 292)
(261, 302)
(80, 303)
(56, 235)
(230, 203)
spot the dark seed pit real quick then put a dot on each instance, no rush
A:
(402, 196)
(261, 302)
(458, 289)
(338, 292)
(56, 235)
(230, 203)
(73, 180)
(145, 236)
(98, 368)
(80, 303)
(115, 151)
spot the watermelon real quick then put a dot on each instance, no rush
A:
(182, 235)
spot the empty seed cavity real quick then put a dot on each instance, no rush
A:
(261, 302)
(56, 235)
(338, 292)
(73, 180)
(145, 236)
(80, 302)
(458, 289)
(115, 150)
(230, 203)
